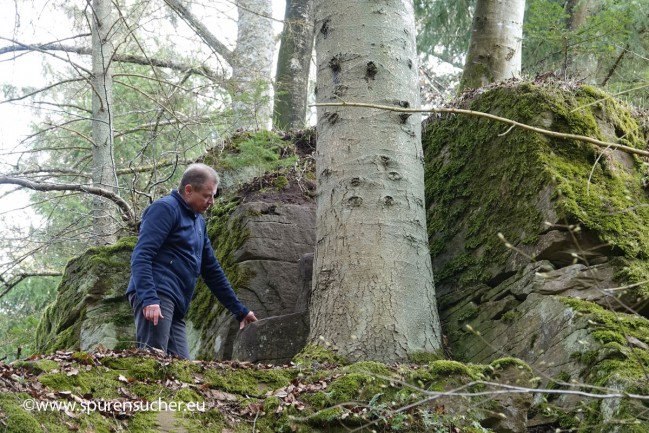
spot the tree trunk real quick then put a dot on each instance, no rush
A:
(103, 169)
(373, 292)
(496, 39)
(578, 62)
(292, 77)
(252, 66)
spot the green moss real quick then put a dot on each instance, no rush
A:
(259, 151)
(481, 182)
(439, 373)
(355, 386)
(503, 363)
(248, 382)
(511, 316)
(425, 357)
(182, 370)
(140, 368)
(15, 419)
(109, 255)
(99, 273)
(37, 366)
(280, 182)
(313, 353)
(99, 384)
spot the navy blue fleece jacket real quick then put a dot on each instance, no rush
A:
(172, 250)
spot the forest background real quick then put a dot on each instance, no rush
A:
(601, 42)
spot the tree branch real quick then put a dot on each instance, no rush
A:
(200, 29)
(128, 215)
(122, 58)
(16, 279)
(513, 123)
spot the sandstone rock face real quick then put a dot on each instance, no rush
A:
(274, 340)
(539, 248)
(278, 236)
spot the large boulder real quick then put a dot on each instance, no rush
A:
(266, 237)
(90, 307)
(540, 245)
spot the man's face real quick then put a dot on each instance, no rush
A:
(199, 200)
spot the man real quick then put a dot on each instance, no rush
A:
(172, 250)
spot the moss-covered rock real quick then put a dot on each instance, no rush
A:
(528, 230)
(90, 307)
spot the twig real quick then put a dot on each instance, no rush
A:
(514, 123)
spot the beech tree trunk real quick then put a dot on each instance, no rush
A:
(373, 292)
(292, 77)
(496, 40)
(103, 28)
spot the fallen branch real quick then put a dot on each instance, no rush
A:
(514, 123)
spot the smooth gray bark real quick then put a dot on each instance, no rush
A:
(373, 292)
(252, 65)
(294, 60)
(103, 26)
(496, 40)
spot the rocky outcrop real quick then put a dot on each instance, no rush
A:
(277, 235)
(259, 236)
(540, 246)
(90, 308)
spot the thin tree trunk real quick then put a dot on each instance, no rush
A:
(373, 292)
(496, 40)
(103, 170)
(292, 77)
(252, 66)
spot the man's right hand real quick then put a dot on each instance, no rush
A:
(152, 313)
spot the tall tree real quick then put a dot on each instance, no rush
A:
(373, 293)
(496, 40)
(292, 77)
(104, 27)
(251, 60)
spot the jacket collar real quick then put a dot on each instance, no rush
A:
(175, 194)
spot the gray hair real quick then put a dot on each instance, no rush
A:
(198, 175)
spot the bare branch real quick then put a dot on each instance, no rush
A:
(120, 58)
(16, 279)
(199, 28)
(591, 140)
(128, 214)
(19, 98)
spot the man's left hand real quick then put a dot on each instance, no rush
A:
(247, 320)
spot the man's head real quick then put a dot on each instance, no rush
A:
(198, 186)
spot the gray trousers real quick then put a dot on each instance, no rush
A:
(168, 335)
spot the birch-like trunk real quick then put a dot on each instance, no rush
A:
(496, 40)
(103, 28)
(252, 62)
(373, 292)
(292, 77)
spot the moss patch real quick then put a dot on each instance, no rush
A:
(98, 275)
(481, 181)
